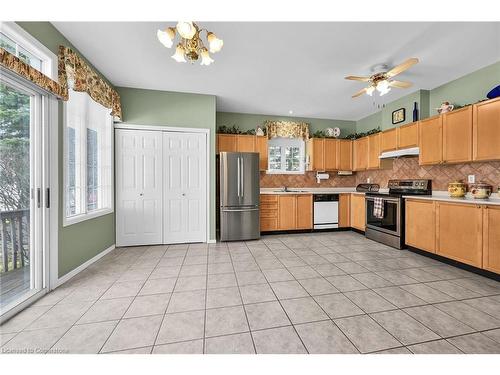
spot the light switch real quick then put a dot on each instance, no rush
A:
(471, 179)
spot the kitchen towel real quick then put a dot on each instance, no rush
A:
(378, 208)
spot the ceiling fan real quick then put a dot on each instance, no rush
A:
(382, 81)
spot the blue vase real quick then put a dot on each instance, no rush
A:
(415, 112)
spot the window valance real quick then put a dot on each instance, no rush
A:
(75, 73)
(287, 129)
(14, 64)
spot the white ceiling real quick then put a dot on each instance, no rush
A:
(272, 68)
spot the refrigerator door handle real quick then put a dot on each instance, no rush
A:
(242, 183)
(238, 177)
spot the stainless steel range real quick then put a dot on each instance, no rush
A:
(385, 212)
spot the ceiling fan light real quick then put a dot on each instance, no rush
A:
(205, 57)
(179, 54)
(370, 90)
(166, 37)
(382, 86)
(385, 91)
(214, 43)
(186, 29)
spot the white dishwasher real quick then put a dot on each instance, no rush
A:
(326, 211)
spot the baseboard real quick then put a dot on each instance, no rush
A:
(81, 267)
(211, 241)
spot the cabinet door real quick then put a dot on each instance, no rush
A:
(287, 212)
(491, 238)
(226, 142)
(245, 143)
(318, 154)
(460, 232)
(420, 224)
(261, 148)
(304, 213)
(408, 136)
(457, 136)
(374, 151)
(358, 211)
(486, 130)
(344, 155)
(389, 140)
(430, 138)
(344, 210)
(330, 150)
(360, 154)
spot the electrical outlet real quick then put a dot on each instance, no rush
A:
(368, 180)
(471, 179)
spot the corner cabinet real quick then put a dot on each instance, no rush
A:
(430, 138)
(486, 130)
(457, 136)
(491, 238)
(420, 228)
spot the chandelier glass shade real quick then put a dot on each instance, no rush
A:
(190, 46)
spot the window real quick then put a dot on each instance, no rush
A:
(286, 156)
(15, 40)
(88, 159)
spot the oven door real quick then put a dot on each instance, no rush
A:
(391, 222)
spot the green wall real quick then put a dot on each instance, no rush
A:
(164, 108)
(464, 90)
(82, 241)
(248, 121)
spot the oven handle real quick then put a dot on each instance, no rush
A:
(384, 198)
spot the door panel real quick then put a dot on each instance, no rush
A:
(240, 224)
(486, 130)
(185, 195)
(230, 179)
(457, 136)
(420, 225)
(139, 187)
(430, 139)
(491, 238)
(250, 179)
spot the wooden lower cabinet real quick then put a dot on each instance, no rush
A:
(459, 232)
(304, 211)
(491, 238)
(358, 211)
(268, 212)
(287, 207)
(344, 210)
(420, 224)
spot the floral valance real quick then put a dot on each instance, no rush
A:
(75, 73)
(287, 129)
(16, 65)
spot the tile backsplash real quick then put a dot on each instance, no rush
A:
(402, 168)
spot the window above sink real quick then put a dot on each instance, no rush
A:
(286, 156)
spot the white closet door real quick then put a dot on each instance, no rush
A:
(185, 188)
(139, 187)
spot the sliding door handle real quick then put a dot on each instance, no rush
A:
(38, 197)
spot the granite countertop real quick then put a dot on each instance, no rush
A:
(443, 196)
(308, 190)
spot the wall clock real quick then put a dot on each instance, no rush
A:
(399, 115)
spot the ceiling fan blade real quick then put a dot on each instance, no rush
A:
(359, 93)
(400, 84)
(401, 67)
(358, 78)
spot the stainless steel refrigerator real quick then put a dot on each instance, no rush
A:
(239, 196)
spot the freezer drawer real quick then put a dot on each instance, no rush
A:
(239, 224)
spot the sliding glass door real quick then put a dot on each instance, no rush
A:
(21, 194)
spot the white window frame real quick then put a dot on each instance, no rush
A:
(33, 46)
(67, 221)
(283, 143)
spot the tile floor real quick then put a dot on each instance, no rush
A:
(309, 293)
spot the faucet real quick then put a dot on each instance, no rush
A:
(285, 189)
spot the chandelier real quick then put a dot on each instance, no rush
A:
(190, 46)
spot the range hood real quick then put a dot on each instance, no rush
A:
(407, 152)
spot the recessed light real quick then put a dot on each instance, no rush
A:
(290, 112)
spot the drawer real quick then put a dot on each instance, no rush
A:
(269, 206)
(268, 224)
(268, 213)
(268, 198)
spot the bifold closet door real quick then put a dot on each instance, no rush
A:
(184, 187)
(139, 190)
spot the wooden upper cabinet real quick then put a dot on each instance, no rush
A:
(358, 211)
(457, 135)
(316, 153)
(460, 232)
(430, 139)
(344, 210)
(344, 155)
(486, 130)
(360, 154)
(491, 238)
(226, 142)
(261, 148)
(287, 212)
(389, 140)
(304, 211)
(408, 135)
(420, 224)
(374, 151)
(330, 154)
(245, 143)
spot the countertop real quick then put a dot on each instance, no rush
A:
(443, 196)
(278, 191)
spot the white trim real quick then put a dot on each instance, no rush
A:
(81, 267)
(212, 241)
(32, 45)
(54, 191)
(67, 221)
(182, 130)
(10, 312)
